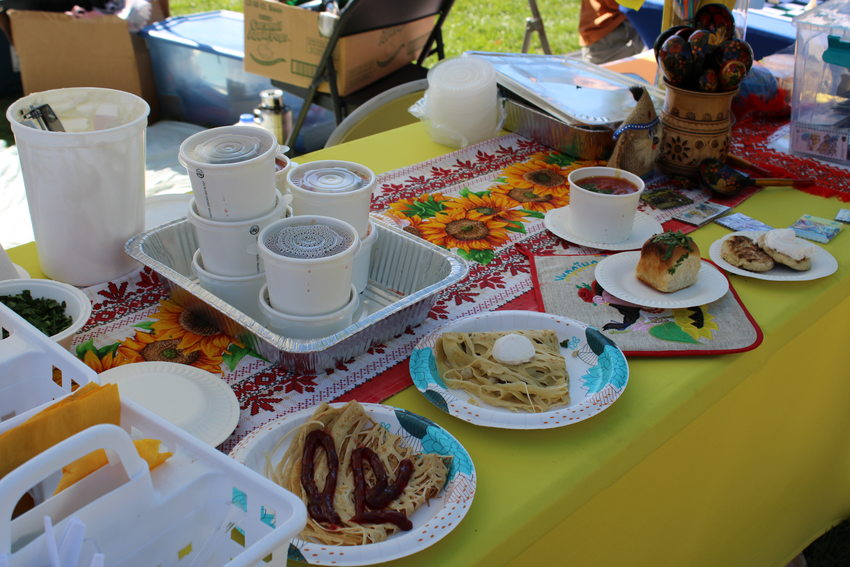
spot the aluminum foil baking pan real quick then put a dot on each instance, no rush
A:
(572, 90)
(581, 142)
(405, 276)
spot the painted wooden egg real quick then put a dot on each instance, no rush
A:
(731, 74)
(737, 50)
(708, 81)
(717, 19)
(675, 60)
(662, 37)
(700, 47)
(685, 32)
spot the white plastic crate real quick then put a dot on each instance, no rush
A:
(200, 507)
(27, 360)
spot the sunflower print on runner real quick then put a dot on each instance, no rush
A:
(145, 347)
(537, 174)
(487, 206)
(476, 221)
(173, 334)
(191, 327)
(455, 229)
(423, 206)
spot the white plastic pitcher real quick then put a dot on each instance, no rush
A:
(86, 186)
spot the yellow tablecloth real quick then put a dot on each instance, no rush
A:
(728, 460)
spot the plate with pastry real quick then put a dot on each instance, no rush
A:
(519, 370)
(776, 255)
(401, 481)
(667, 273)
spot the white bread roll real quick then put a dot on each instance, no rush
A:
(669, 261)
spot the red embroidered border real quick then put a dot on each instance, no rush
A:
(750, 140)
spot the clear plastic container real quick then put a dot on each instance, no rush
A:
(820, 104)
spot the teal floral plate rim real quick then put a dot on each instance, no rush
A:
(597, 368)
(431, 522)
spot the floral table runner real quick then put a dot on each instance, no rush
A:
(480, 201)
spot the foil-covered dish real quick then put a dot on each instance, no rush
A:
(582, 142)
(406, 274)
(569, 89)
(564, 102)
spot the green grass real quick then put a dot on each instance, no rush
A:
(480, 25)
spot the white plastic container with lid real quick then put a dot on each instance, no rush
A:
(820, 122)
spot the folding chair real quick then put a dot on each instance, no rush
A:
(534, 24)
(360, 16)
(385, 111)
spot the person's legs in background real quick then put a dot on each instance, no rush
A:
(623, 41)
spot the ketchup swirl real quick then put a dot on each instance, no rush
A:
(320, 504)
(382, 493)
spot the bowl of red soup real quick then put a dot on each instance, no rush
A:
(603, 202)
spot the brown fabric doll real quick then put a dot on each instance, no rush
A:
(637, 138)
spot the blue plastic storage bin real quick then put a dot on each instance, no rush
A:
(197, 67)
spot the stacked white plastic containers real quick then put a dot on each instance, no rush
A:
(232, 170)
(462, 101)
(317, 261)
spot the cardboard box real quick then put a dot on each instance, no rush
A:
(283, 42)
(58, 51)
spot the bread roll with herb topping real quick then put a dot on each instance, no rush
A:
(669, 262)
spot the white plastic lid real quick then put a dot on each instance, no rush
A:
(228, 148)
(307, 241)
(331, 180)
(462, 77)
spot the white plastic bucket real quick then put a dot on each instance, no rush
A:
(340, 189)
(229, 248)
(232, 171)
(317, 282)
(86, 186)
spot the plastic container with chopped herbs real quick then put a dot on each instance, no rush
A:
(669, 261)
(45, 314)
(57, 309)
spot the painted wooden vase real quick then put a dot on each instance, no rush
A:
(694, 126)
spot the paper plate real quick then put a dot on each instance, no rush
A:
(193, 399)
(823, 263)
(557, 221)
(430, 522)
(597, 369)
(616, 275)
(160, 209)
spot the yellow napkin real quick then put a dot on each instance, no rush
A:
(148, 449)
(89, 405)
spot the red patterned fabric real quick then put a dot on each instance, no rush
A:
(750, 139)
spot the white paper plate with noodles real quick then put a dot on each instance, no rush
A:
(430, 522)
(597, 368)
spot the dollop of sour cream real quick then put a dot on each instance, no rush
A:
(513, 349)
(785, 240)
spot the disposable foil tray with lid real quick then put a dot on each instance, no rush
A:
(406, 274)
(563, 102)
(569, 89)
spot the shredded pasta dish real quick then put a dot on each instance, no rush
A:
(465, 361)
(360, 482)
